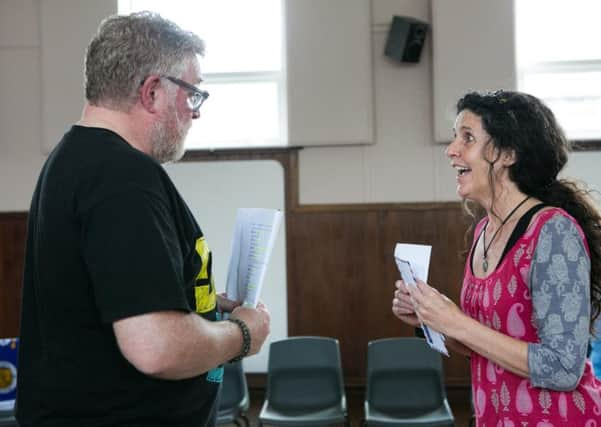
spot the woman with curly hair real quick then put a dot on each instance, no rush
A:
(532, 280)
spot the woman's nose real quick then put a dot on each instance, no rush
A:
(451, 150)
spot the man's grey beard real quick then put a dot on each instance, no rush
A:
(167, 140)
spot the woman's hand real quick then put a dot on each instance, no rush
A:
(434, 309)
(402, 306)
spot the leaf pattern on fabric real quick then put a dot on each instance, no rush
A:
(544, 400)
(497, 291)
(579, 401)
(494, 399)
(512, 286)
(518, 255)
(505, 397)
(496, 321)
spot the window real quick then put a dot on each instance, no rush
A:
(559, 60)
(242, 69)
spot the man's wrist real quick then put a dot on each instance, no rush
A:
(245, 338)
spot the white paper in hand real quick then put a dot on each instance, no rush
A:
(413, 262)
(252, 243)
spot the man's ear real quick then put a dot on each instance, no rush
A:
(149, 93)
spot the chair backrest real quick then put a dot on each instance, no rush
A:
(234, 393)
(8, 372)
(404, 376)
(304, 373)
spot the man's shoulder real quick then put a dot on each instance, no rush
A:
(105, 165)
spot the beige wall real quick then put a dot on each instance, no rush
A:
(20, 114)
(403, 165)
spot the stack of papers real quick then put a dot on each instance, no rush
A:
(254, 236)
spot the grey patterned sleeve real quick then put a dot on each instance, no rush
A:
(560, 288)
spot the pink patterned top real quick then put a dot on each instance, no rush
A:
(503, 301)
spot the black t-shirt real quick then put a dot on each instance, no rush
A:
(109, 237)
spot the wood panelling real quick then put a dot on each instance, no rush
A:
(13, 228)
(340, 266)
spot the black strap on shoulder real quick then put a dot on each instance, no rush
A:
(520, 228)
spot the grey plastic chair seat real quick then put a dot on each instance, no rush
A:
(234, 400)
(435, 418)
(304, 383)
(327, 416)
(405, 385)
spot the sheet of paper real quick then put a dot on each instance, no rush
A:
(413, 262)
(252, 243)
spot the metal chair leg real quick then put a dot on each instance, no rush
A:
(246, 420)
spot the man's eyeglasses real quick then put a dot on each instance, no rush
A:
(195, 96)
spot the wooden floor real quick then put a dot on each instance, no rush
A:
(458, 400)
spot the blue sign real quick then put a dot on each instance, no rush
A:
(8, 372)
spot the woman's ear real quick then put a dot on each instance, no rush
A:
(149, 92)
(508, 158)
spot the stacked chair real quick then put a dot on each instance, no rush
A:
(234, 400)
(405, 385)
(304, 384)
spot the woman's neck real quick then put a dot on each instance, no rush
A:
(507, 207)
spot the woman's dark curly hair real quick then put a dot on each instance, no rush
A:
(522, 123)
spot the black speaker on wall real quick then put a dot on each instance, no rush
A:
(405, 39)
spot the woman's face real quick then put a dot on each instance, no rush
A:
(471, 155)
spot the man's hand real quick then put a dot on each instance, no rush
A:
(257, 320)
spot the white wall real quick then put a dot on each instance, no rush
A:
(404, 164)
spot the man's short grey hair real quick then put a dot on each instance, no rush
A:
(127, 49)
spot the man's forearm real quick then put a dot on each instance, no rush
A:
(175, 345)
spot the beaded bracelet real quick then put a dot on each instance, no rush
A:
(245, 338)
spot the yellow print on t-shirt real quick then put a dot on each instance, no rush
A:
(204, 291)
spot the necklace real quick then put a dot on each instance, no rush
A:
(484, 246)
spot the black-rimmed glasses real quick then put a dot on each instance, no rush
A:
(195, 96)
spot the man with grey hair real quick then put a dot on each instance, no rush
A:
(120, 321)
